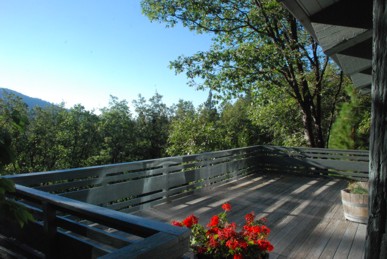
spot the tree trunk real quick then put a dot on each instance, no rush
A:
(311, 128)
(376, 241)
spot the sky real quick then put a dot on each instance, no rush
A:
(83, 51)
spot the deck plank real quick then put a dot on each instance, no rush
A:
(346, 243)
(357, 249)
(304, 213)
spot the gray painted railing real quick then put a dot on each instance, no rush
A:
(350, 164)
(82, 209)
(66, 228)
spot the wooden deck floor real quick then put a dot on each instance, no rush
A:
(305, 214)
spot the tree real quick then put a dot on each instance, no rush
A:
(78, 137)
(13, 122)
(277, 114)
(182, 109)
(11, 119)
(239, 128)
(257, 45)
(195, 133)
(351, 128)
(117, 129)
(152, 125)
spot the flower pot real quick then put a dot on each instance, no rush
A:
(355, 206)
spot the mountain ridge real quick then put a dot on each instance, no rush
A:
(30, 101)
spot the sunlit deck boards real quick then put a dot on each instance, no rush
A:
(304, 213)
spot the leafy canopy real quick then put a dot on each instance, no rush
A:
(258, 47)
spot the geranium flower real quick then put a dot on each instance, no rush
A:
(250, 217)
(265, 245)
(213, 243)
(190, 221)
(214, 221)
(232, 243)
(221, 239)
(226, 206)
(177, 223)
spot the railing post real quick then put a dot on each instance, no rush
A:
(166, 186)
(49, 229)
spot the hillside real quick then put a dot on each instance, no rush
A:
(30, 101)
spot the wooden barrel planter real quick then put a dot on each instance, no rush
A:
(355, 206)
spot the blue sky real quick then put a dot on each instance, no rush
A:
(83, 51)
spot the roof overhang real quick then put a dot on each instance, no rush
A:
(343, 29)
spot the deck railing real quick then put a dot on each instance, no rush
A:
(83, 211)
(350, 164)
(66, 228)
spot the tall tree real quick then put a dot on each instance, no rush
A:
(39, 148)
(78, 136)
(351, 128)
(152, 125)
(117, 129)
(11, 119)
(257, 44)
(13, 123)
(239, 128)
(195, 133)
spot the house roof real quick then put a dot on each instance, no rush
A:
(343, 29)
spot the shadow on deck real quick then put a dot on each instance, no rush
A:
(304, 213)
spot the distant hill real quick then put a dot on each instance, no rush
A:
(30, 101)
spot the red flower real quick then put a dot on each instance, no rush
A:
(214, 221)
(221, 239)
(213, 242)
(201, 250)
(190, 220)
(256, 229)
(243, 244)
(265, 245)
(177, 223)
(212, 231)
(250, 218)
(232, 244)
(265, 229)
(227, 232)
(226, 206)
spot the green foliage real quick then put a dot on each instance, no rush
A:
(152, 126)
(12, 122)
(10, 209)
(239, 128)
(258, 47)
(52, 137)
(351, 129)
(6, 186)
(358, 187)
(210, 128)
(39, 148)
(279, 115)
(116, 127)
(195, 133)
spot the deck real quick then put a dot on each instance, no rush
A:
(73, 207)
(304, 213)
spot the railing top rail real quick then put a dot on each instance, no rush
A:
(101, 170)
(118, 220)
(316, 149)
